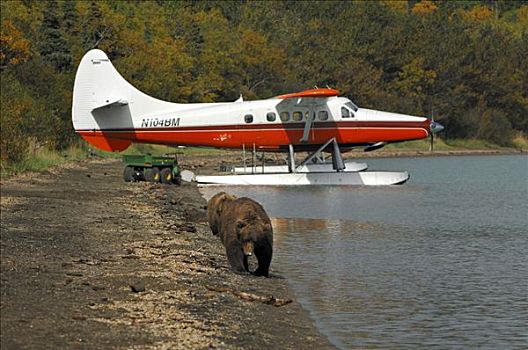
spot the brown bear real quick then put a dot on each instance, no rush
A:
(245, 229)
(215, 207)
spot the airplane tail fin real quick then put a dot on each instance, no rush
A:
(104, 104)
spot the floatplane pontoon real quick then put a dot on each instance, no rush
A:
(111, 114)
(338, 172)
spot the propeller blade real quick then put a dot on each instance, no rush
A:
(431, 140)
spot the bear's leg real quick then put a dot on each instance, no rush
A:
(235, 256)
(263, 254)
(246, 266)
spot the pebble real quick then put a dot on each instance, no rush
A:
(76, 274)
(78, 317)
(137, 286)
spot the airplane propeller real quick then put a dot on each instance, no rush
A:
(434, 128)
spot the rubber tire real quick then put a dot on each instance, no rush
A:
(152, 174)
(128, 174)
(166, 176)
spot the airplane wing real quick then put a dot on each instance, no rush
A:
(311, 93)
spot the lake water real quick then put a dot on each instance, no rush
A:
(439, 262)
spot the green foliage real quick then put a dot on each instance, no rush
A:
(15, 47)
(43, 159)
(520, 141)
(495, 127)
(465, 59)
(16, 104)
(53, 46)
(69, 16)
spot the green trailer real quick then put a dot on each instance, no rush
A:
(151, 168)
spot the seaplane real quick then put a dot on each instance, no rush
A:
(111, 114)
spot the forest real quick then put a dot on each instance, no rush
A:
(464, 61)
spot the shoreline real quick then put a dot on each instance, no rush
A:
(198, 152)
(439, 153)
(89, 261)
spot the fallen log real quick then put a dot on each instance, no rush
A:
(271, 300)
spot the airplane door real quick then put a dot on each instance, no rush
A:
(320, 115)
(311, 119)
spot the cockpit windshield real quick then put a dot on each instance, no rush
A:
(352, 106)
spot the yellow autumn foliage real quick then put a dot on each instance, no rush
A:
(396, 5)
(14, 46)
(478, 13)
(424, 7)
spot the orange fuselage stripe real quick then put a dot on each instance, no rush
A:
(263, 137)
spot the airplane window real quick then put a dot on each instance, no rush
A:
(285, 116)
(248, 118)
(297, 116)
(352, 106)
(345, 113)
(271, 117)
(323, 115)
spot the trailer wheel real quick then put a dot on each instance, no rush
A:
(152, 174)
(166, 176)
(128, 174)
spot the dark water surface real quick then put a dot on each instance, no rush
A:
(440, 262)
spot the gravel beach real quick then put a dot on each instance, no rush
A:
(89, 261)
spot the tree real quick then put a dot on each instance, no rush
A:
(70, 16)
(14, 46)
(53, 46)
(495, 127)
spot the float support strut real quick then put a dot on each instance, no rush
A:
(337, 161)
(291, 159)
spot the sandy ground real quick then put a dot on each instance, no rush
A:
(88, 261)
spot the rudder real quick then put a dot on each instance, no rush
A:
(104, 104)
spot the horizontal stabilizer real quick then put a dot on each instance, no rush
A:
(113, 103)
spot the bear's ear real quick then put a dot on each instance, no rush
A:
(220, 205)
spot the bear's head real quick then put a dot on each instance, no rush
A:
(250, 231)
(215, 207)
